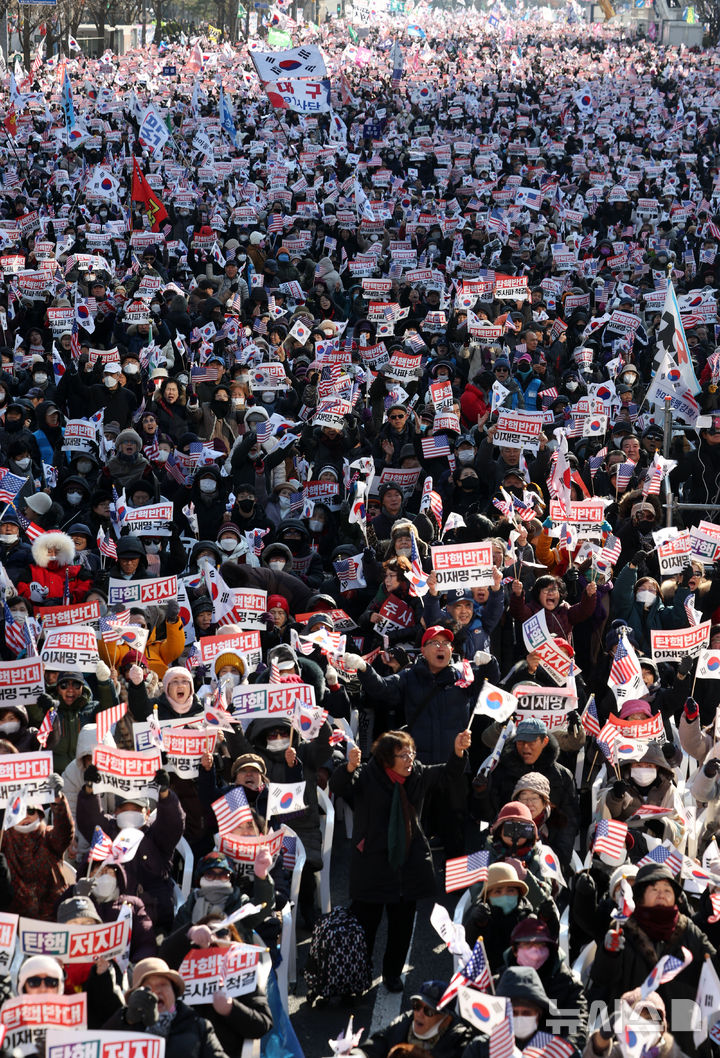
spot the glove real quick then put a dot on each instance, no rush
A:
(619, 789)
(331, 676)
(668, 750)
(268, 620)
(172, 611)
(91, 775)
(691, 710)
(161, 780)
(369, 554)
(45, 702)
(572, 574)
(573, 721)
(56, 784)
(102, 671)
(686, 665)
(482, 657)
(354, 661)
(614, 940)
(687, 575)
(135, 675)
(142, 1008)
(712, 768)
(639, 559)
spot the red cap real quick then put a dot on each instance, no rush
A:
(434, 632)
(562, 644)
(280, 601)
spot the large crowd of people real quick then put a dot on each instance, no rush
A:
(360, 445)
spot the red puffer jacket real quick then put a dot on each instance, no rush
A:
(46, 587)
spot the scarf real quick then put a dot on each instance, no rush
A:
(163, 1024)
(399, 823)
(657, 922)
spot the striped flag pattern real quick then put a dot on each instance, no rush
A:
(589, 718)
(435, 447)
(670, 858)
(624, 666)
(289, 852)
(14, 637)
(464, 871)
(108, 717)
(610, 835)
(100, 846)
(45, 729)
(475, 971)
(231, 809)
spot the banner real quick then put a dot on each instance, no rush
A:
(141, 593)
(548, 704)
(28, 1018)
(232, 971)
(126, 773)
(245, 643)
(247, 604)
(306, 61)
(463, 565)
(142, 732)
(154, 520)
(251, 701)
(70, 649)
(64, 1044)
(406, 478)
(8, 936)
(680, 642)
(72, 943)
(674, 554)
(21, 681)
(183, 748)
(511, 288)
(343, 621)
(245, 849)
(302, 97)
(537, 638)
(26, 774)
(586, 516)
(332, 414)
(77, 613)
(705, 542)
(518, 429)
(79, 436)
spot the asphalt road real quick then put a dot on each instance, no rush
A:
(427, 958)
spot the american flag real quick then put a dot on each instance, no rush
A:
(346, 569)
(202, 374)
(415, 342)
(275, 223)
(152, 451)
(274, 676)
(548, 396)
(611, 551)
(10, 485)
(624, 666)
(289, 852)
(107, 717)
(31, 530)
(504, 506)
(14, 637)
(625, 472)
(106, 545)
(666, 968)
(475, 971)
(596, 461)
(464, 871)
(45, 729)
(653, 481)
(231, 809)
(543, 1045)
(31, 630)
(417, 577)
(337, 737)
(670, 858)
(75, 341)
(435, 447)
(589, 718)
(502, 1041)
(263, 431)
(174, 470)
(610, 835)
(524, 508)
(100, 846)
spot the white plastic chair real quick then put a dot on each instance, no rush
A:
(597, 786)
(584, 961)
(461, 909)
(188, 862)
(251, 1049)
(564, 938)
(579, 765)
(288, 948)
(285, 943)
(327, 827)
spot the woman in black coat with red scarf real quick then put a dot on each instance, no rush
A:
(391, 865)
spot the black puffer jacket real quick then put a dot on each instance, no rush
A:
(370, 792)
(190, 1035)
(563, 794)
(450, 1044)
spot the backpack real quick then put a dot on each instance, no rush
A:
(338, 963)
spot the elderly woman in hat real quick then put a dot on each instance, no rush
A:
(154, 1005)
(424, 1026)
(649, 1023)
(496, 910)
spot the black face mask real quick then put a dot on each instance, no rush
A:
(470, 484)
(220, 408)
(246, 506)
(295, 546)
(13, 425)
(125, 458)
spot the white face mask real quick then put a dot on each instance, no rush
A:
(131, 369)
(283, 502)
(23, 463)
(27, 828)
(215, 891)
(403, 552)
(277, 564)
(162, 455)
(227, 545)
(466, 457)
(9, 727)
(277, 745)
(9, 539)
(130, 818)
(110, 381)
(84, 466)
(207, 485)
(40, 378)
(105, 888)
(268, 397)
(19, 616)
(207, 562)
(643, 776)
(316, 526)
(645, 597)
(74, 498)
(152, 549)
(429, 1033)
(571, 386)
(524, 1026)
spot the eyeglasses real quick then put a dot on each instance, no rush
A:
(418, 1005)
(405, 756)
(398, 416)
(501, 370)
(38, 982)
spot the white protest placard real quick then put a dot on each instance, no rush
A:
(77, 613)
(142, 731)
(511, 288)
(61, 320)
(126, 773)
(127, 593)
(27, 1018)
(548, 704)
(463, 565)
(79, 436)
(444, 421)
(442, 395)
(680, 642)
(331, 413)
(73, 943)
(247, 605)
(72, 649)
(674, 555)
(403, 366)
(153, 520)
(8, 936)
(63, 1043)
(586, 516)
(537, 638)
(269, 376)
(251, 701)
(242, 849)
(245, 643)
(406, 478)
(21, 681)
(26, 774)
(705, 542)
(183, 747)
(518, 429)
(232, 970)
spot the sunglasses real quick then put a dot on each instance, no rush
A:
(396, 416)
(418, 1005)
(48, 982)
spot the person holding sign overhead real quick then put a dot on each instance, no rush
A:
(34, 853)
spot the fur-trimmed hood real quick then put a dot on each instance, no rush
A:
(40, 549)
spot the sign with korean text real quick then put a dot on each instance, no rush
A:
(74, 943)
(245, 849)
(245, 643)
(153, 520)
(537, 638)
(125, 772)
(70, 649)
(141, 593)
(674, 554)
(405, 478)
(232, 970)
(27, 1018)
(548, 704)
(28, 774)
(463, 565)
(79, 436)
(61, 1043)
(518, 429)
(77, 613)
(251, 701)
(587, 516)
(680, 642)
(21, 681)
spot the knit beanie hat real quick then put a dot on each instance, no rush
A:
(534, 781)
